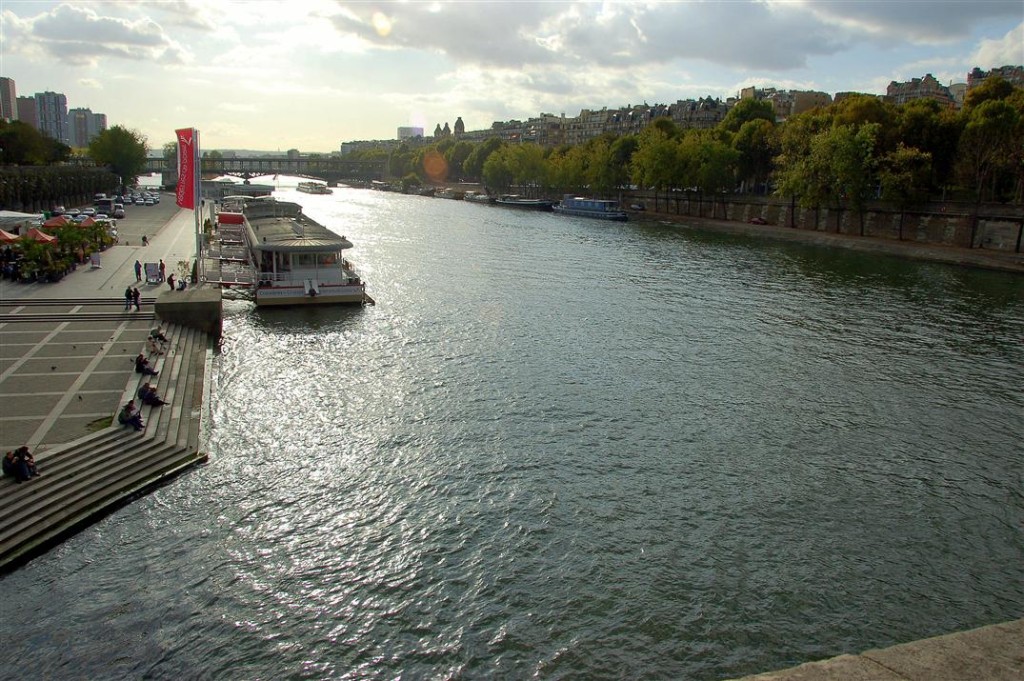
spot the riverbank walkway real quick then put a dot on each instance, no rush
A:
(66, 367)
(992, 653)
(1003, 261)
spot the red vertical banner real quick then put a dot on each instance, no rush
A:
(186, 195)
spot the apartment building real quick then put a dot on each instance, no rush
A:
(919, 88)
(52, 109)
(8, 100)
(85, 125)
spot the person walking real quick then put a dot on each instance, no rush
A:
(129, 296)
(136, 298)
(138, 271)
(161, 270)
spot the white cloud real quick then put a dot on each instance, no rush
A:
(77, 35)
(1008, 50)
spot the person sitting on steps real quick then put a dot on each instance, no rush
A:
(153, 346)
(149, 396)
(130, 416)
(20, 465)
(142, 366)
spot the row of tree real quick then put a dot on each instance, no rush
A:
(119, 149)
(842, 155)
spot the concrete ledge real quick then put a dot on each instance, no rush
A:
(992, 653)
(198, 308)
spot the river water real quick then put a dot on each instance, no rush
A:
(563, 449)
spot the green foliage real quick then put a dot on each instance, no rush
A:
(904, 175)
(990, 89)
(655, 163)
(122, 150)
(990, 145)
(747, 110)
(21, 144)
(757, 144)
(473, 167)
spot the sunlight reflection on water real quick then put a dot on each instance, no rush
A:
(559, 448)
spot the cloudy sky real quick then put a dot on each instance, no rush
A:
(310, 74)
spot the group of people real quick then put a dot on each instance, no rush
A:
(132, 296)
(20, 465)
(147, 393)
(174, 283)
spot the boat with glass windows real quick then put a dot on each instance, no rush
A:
(517, 201)
(296, 260)
(602, 209)
(313, 188)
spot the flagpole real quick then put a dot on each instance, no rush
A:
(198, 204)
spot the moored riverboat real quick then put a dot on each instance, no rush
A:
(517, 201)
(298, 261)
(601, 209)
(449, 193)
(313, 188)
(478, 197)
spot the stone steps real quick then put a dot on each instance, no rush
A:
(86, 478)
(78, 316)
(51, 302)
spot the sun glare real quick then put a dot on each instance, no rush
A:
(381, 24)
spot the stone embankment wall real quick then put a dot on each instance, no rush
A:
(991, 227)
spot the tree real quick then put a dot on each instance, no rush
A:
(456, 157)
(923, 125)
(566, 168)
(21, 144)
(496, 171)
(757, 145)
(601, 168)
(904, 176)
(122, 150)
(987, 145)
(656, 159)
(747, 110)
(992, 88)
(473, 166)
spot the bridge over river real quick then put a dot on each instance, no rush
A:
(328, 168)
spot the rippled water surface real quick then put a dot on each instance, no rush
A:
(558, 448)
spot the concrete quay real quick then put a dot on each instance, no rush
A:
(992, 653)
(964, 257)
(66, 366)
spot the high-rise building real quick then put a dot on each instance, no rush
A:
(8, 100)
(407, 132)
(85, 125)
(52, 109)
(27, 111)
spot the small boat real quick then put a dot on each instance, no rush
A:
(449, 193)
(298, 261)
(313, 188)
(517, 201)
(602, 209)
(478, 197)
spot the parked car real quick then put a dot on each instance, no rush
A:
(89, 211)
(118, 210)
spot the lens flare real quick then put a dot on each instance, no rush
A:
(381, 24)
(435, 166)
